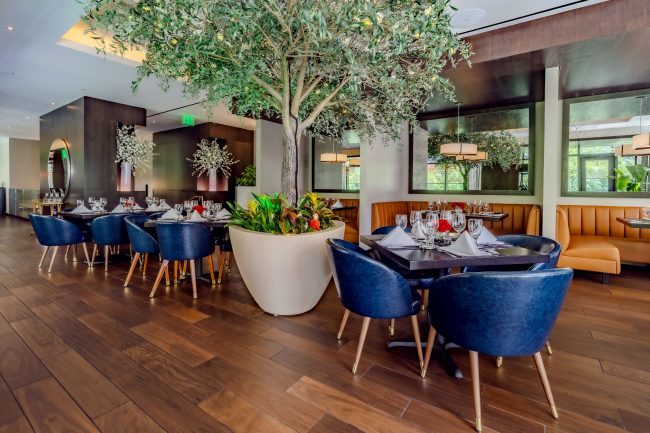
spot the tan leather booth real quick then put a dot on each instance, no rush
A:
(351, 219)
(592, 239)
(522, 218)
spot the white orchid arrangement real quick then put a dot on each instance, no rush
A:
(132, 150)
(211, 156)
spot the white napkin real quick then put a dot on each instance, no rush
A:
(165, 206)
(137, 206)
(119, 209)
(337, 204)
(152, 208)
(195, 216)
(417, 231)
(223, 214)
(487, 238)
(397, 238)
(465, 246)
(169, 215)
(80, 209)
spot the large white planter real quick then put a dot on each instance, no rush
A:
(288, 274)
(243, 194)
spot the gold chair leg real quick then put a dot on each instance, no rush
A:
(229, 261)
(144, 264)
(175, 271)
(193, 276)
(161, 272)
(106, 254)
(418, 342)
(167, 276)
(476, 387)
(346, 314)
(211, 267)
(427, 357)
(45, 250)
(548, 348)
(65, 256)
(499, 361)
(362, 340)
(547, 386)
(52, 260)
(83, 244)
(391, 327)
(222, 262)
(92, 262)
(425, 299)
(134, 262)
(74, 253)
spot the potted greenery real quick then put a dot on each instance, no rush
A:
(245, 185)
(132, 153)
(286, 274)
(320, 66)
(212, 159)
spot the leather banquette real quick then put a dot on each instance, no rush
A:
(522, 218)
(351, 219)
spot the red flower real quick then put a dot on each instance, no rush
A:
(444, 226)
(315, 224)
(200, 209)
(455, 204)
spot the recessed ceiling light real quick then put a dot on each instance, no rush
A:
(10, 28)
(52, 103)
(28, 117)
(467, 18)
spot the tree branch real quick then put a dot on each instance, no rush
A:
(322, 104)
(310, 87)
(268, 88)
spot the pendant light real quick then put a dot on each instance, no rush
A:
(458, 148)
(480, 156)
(333, 157)
(641, 141)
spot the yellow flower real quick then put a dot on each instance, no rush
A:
(174, 41)
(428, 11)
(366, 22)
(219, 37)
(252, 205)
(146, 9)
(416, 35)
(313, 198)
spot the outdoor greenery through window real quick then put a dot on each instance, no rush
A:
(503, 137)
(599, 155)
(342, 175)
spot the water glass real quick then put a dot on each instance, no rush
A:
(429, 228)
(416, 216)
(401, 220)
(217, 208)
(475, 227)
(148, 200)
(187, 205)
(80, 203)
(179, 210)
(162, 202)
(430, 205)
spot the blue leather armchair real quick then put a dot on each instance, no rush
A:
(142, 244)
(55, 232)
(387, 229)
(184, 241)
(498, 314)
(372, 290)
(107, 231)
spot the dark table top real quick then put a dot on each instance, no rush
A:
(492, 217)
(635, 223)
(92, 215)
(414, 258)
(211, 224)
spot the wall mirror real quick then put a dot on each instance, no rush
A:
(59, 167)
(336, 164)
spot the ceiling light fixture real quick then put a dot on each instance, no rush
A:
(52, 103)
(10, 28)
(641, 141)
(458, 148)
(480, 156)
(333, 157)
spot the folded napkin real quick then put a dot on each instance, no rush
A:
(417, 231)
(80, 209)
(153, 208)
(223, 214)
(137, 206)
(171, 214)
(119, 209)
(337, 204)
(487, 238)
(165, 206)
(397, 238)
(196, 217)
(465, 246)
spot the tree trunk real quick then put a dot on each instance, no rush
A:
(290, 163)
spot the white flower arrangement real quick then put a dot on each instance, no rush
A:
(211, 156)
(132, 150)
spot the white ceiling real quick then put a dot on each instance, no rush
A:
(37, 74)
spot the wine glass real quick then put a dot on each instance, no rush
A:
(429, 228)
(187, 205)
(645, 213)
(148, 200)
(102, 203)
(444, 204)
(80, 203)
(401, 220)
(218, 207)
(430, 205)
(122, 201)
(178, 207)
(458, 222)
(162, 203)
(156, 201)
(486, 207)
(438, 204)
(475, 227)
(416, 216)
(91, 202)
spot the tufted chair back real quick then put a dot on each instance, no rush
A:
(367, 287)
(499, 313)
(51, 231)
(109, 230)
(184, 241)
(141, 240)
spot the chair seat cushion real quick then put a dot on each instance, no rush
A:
(593, 247)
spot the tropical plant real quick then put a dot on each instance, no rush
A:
(630, 178)
(211, 156)
(502, 149)
(275, 214)
(319, 65)
(132, 150)
(248, 177)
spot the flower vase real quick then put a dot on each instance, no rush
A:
(212, 179)
(126, 177)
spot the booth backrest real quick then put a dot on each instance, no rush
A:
(351, 218)
(601, 221)
(522, 218)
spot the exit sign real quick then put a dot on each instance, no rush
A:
(187, 119)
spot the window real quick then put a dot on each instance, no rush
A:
(504, 134)
(598, 155)
(341, 176)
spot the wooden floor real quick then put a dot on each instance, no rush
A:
(79, 353)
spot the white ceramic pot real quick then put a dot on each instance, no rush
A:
(243, 194)
(285, 274)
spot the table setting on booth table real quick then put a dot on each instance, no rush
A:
(209, 213)
(126, 205)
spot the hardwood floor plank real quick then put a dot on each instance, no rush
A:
(329, 424)
(9, 409)
(12, 309)
(626, 372)
(30, 296)
(39, 337)
(127, 418)
(635, 422)
(18, 364)
(19, 425)
(115, 334)
(50, 409)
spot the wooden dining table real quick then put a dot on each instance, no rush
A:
(439, 263)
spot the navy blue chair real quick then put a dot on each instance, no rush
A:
(387, 229)
(498, 314)
(142, 244)
(372, 290)
(55, 232)
(184, 241)
(108, 231)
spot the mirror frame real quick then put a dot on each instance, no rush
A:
(64, 145)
